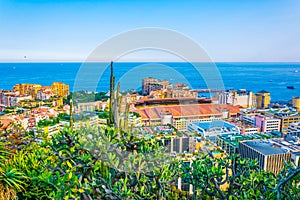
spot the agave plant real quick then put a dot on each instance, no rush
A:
(10, 177)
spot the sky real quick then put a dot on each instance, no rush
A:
(229, 31)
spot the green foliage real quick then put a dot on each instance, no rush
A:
(63, 116)
(288, 183)
(240, 178)
(105, 163)
(10, 177)
(84, 97)
(135, 114)
(48, 122)
(103, 114)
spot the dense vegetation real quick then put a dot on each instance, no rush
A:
(103, 163)
(83, 97)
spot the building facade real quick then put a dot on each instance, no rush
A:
(153, 84)
(27, 89)
(60, 89)
(230, 142)
(212, 129)
(287, 119)
(296, 103)
(294, 129)
(263, 99)
(270, 155)
(267, 124)
(182, 115)
(178, 144)
(242, 97)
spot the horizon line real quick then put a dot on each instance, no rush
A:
(138, 61)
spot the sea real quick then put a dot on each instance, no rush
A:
(272, 77)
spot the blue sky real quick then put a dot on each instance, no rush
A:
(69, 30)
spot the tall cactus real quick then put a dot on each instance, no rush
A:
(119, 97)
(115, 110)
(111, 95)
(71, 114)
(117, 107)
(126, 117)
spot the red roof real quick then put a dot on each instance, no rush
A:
(185, 110)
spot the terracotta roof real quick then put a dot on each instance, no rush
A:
(185, 110)
(5, 122)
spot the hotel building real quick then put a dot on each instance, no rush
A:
(263, 99)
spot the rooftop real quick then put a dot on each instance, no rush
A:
(234, 139)
(265, 147)
(214, 124)
(283, 112)
(276, 145)
(292, 143)
(185, 110)
(241, 124)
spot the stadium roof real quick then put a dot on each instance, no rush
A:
(185, 110)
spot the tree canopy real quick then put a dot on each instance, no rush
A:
(104, 163)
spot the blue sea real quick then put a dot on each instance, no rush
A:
(272, 77)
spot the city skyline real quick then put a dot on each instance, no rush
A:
(128, 99)
(248, 31)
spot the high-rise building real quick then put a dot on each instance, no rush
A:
(263, 99)
(60, 89)
(145, 84)
(34, 90)
(152, 84)
(27, 89)
(296, 103)
(241, 97)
